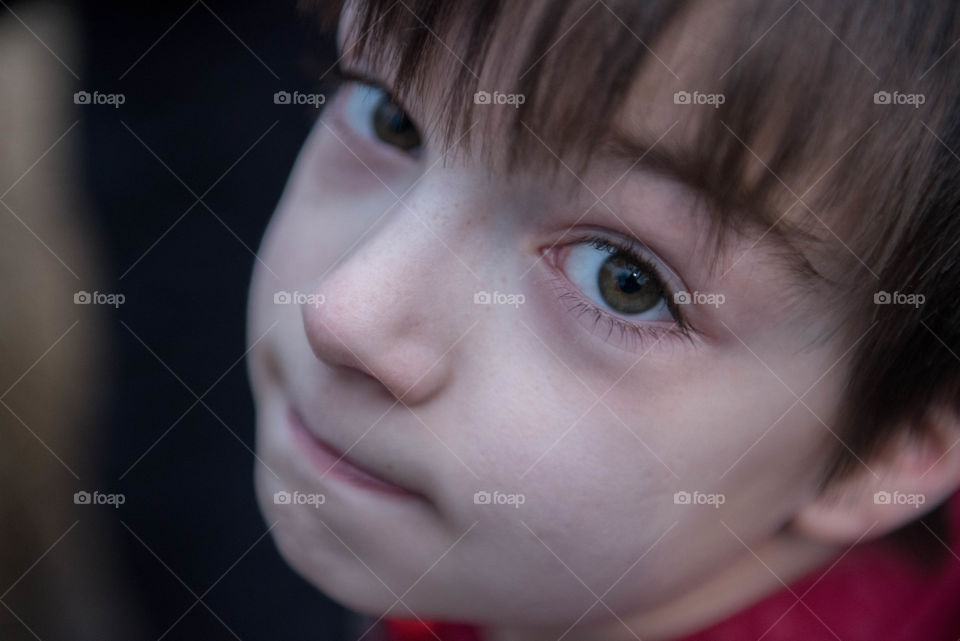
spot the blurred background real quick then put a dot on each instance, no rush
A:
(141, 155)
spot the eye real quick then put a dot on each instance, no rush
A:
(374, 113)
(618, 280)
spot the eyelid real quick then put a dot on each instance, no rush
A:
(643, 254)
(631, 333)
(629, 330)
(356, 75)
(365, 78)
(360, 139)
(658, 270)
(360, 77)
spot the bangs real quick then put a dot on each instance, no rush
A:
(571, 61)
(798, 132)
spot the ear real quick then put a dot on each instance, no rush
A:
(907, 479)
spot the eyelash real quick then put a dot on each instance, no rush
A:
(340, 77)
(636, 335)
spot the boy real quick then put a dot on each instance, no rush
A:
(614, 320)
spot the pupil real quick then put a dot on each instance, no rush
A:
(630, 281)
(393, 126)
(398, 121)
(627, 287)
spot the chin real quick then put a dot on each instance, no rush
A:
(320, 559)
(336, 573)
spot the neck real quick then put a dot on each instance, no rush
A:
(752, 576)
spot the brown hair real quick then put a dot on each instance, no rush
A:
(804, 85)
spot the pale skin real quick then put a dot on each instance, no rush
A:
(595, 427)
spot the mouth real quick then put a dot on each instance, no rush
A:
(331, 462)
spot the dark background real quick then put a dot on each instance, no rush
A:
(199, 80)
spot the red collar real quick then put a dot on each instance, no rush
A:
(413, 630)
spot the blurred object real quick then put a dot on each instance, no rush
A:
(57, 580)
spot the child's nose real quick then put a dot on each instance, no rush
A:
(394, 309)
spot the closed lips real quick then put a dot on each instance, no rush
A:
(332, 462)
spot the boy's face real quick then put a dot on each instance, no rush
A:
(541, 434)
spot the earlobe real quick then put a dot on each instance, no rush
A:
(836, 518)
(902, 483)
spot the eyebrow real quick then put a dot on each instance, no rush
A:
(644, 155)
(647, 155)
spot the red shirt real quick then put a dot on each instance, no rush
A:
(871, 594)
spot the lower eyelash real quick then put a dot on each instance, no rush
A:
(636, 336)
(614, 247)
